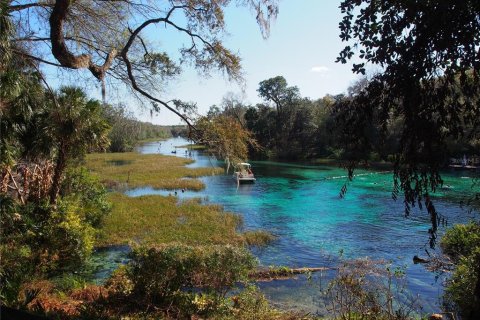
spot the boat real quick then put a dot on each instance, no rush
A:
(243, 173)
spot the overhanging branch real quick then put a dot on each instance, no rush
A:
(60, 50)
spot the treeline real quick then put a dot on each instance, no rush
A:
(126, 131)
(288, 126)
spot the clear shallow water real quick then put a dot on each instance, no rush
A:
(300, 204)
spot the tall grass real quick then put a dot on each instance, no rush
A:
(154, 219)
(157, 171)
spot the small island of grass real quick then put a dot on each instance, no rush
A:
(136, 170)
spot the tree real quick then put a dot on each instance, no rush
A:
(76, 126)
(226, 136)
(277, 90)
(108, 38)
(234, 107)
(429, 85)
(430, 55)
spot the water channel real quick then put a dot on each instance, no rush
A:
(300, 205)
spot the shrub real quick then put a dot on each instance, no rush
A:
(462, 244)
(84, 189)
(40, 241)
(366, 289)
(166, 274)
(258, 238)
(461, 240)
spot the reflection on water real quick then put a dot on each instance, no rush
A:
(300, 204)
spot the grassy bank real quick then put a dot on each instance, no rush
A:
(192, 146)
(156, 219)
(137, 170)
(148, 140)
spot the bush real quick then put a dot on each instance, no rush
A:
(461, 240)
(366, 289)
(39, 240)
(462, 244)
(89, 195)
(258, 238)
(176, 273)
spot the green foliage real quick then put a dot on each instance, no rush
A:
(291, 127)
(68, 282)
(462, 244)
(70, 240)
(88, 193)
(428, 90)
(163, 274)
(40, 240)
(22, 109)
(365, 289)
(156, 219)
(157, 171)
(43, 241)
(126, 131)
(76, 123)
(258, 238)
(461, 240)
(277, 91)
(461, 288)
(16, 250)
(226, 137)
(252, 304)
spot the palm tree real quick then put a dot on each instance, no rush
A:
(76, 126)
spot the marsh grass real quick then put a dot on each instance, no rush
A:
(148, 140)
(258, 238)
(157, 171)
(192, 146)
(150, 220)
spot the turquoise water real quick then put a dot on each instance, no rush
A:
(300, 204)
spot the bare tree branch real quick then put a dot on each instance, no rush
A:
(146, 94)
(38, 59)
(20, 7)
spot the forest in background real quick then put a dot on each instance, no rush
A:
(288, 126)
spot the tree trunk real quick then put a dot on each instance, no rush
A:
(58, 173)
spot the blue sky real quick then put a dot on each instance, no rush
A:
(302, 47)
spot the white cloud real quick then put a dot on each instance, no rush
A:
(320, 69)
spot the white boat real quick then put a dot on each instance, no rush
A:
(243, 173)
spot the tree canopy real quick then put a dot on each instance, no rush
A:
(110, 40)
(429, 54)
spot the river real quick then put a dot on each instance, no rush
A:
(300, 205)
